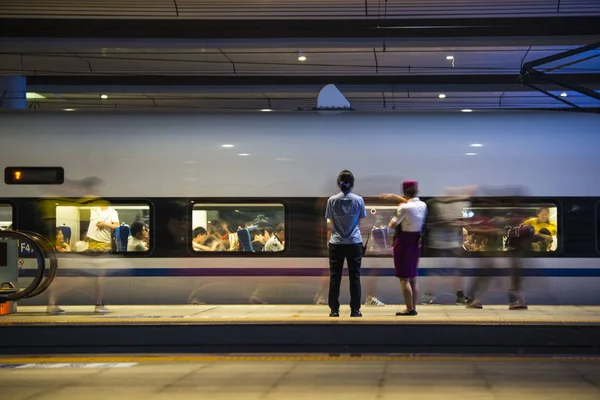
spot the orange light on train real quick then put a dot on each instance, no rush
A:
(17, 175)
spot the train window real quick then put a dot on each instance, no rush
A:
(6, 217)
(103, 227)
(375, 227)
(503, 228)
(238, 227)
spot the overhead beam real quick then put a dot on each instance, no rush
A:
(58, 45)
(460, 82)
(529, 74)
(560, 56)
(255, 29)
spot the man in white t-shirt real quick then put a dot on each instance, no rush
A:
(103, 220)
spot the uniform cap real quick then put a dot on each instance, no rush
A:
(409, 185)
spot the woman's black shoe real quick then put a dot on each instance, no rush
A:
(407, 313)
(355, 314)
(334, 313)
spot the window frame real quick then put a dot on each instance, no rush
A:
(525, 202)
(475, 202)
(370, 202)
(117, 202)
(369, 206)
(194, 202)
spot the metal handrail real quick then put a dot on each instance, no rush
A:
(50, 254)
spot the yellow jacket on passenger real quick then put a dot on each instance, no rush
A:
(538, 226)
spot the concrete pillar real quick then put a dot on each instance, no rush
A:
(13, 92)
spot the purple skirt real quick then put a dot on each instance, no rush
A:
(407, 252)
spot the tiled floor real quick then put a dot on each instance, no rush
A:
(304, 313)
(494, 378)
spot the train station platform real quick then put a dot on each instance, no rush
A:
(287, 377)
(302, 328)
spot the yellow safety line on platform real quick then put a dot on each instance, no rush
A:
(18, 320)
(141, 359)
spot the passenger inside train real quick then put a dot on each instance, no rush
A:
(107, 228)
(139, 237)
(545, 230)
(258, 228)
(62, 246)
(507, 221)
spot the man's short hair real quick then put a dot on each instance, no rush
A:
(199, 231)
(137, 227)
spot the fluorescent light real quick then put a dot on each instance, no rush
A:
(243, 154)
(476, 145)
(226, 145)
(266, 110)
(442, 96)
(32, 95)
(466, 110)
(68, 109)
(563, 94)
(301, 58)
(470, 154)
(449, 57)
(103, 96)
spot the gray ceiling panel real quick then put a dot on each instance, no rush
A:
(296, 9)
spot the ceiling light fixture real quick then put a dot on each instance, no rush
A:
(301, 58)
(563, 94)
(476, 145)
(442, 96)
(103, 96)
(226, 145)
(68, 109)
(470, 154)
(466, 110)
(266, 110)
(449, 57)
(243, 154)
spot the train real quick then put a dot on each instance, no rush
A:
(226, 172)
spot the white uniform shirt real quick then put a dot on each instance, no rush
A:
(108, 216)
(135, 244)
(411, 215)
(273, 244)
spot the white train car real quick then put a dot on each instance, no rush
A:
(179, 171)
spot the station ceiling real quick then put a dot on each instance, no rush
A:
(391, 55)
